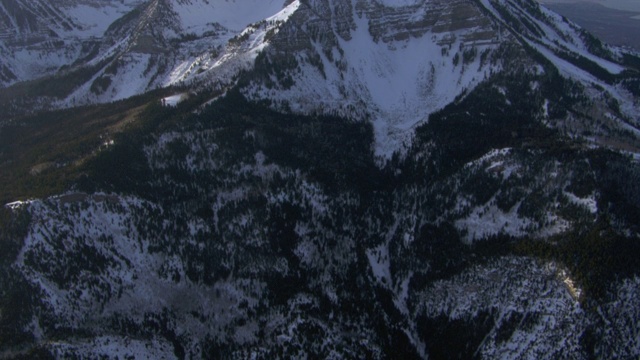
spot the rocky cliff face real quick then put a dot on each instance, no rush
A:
(38, 38)
(396, 65)
(367, 60)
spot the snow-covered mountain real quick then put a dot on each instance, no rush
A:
(391, 63)
(318, 178)
(115, 49)
(395, 63)
(38, 38)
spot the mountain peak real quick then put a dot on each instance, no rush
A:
(392, 63)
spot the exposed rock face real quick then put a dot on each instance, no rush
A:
(388, 62)
(392, 65)
(31, 22)
(364, 60)
(431, 16)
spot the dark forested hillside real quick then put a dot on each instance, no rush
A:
(281, 221)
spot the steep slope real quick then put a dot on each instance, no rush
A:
(607, 88)
(38, 38)
(169, 41)
(397, 65)
(116, 52)
(390, 63)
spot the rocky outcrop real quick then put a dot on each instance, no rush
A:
(435, 17)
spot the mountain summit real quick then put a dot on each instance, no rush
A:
(391, 62)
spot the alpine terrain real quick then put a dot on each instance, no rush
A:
(316, 179)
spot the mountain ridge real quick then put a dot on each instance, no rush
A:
(320, 76)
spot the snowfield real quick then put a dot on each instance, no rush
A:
(195, 15)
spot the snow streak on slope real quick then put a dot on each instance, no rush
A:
(94, 20)
(394, 84)
(565, 35)
(630, 108)
(238, 54)
(233, 15)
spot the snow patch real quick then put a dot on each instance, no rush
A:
(174, 100)
(589, 202)
(233, 15)
(380, 263)
(487, 220)
(399, 3)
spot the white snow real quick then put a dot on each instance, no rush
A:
(398, 3)
(589, 202)
(173, 100)
(565, 67)
(487, 220)
(380, 262)
(129, 80)
(494, 153)
(233, 15)
(95, 20)
(224, 67)
(395, 86)
(17, 204)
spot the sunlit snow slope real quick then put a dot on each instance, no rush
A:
(392, 63)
